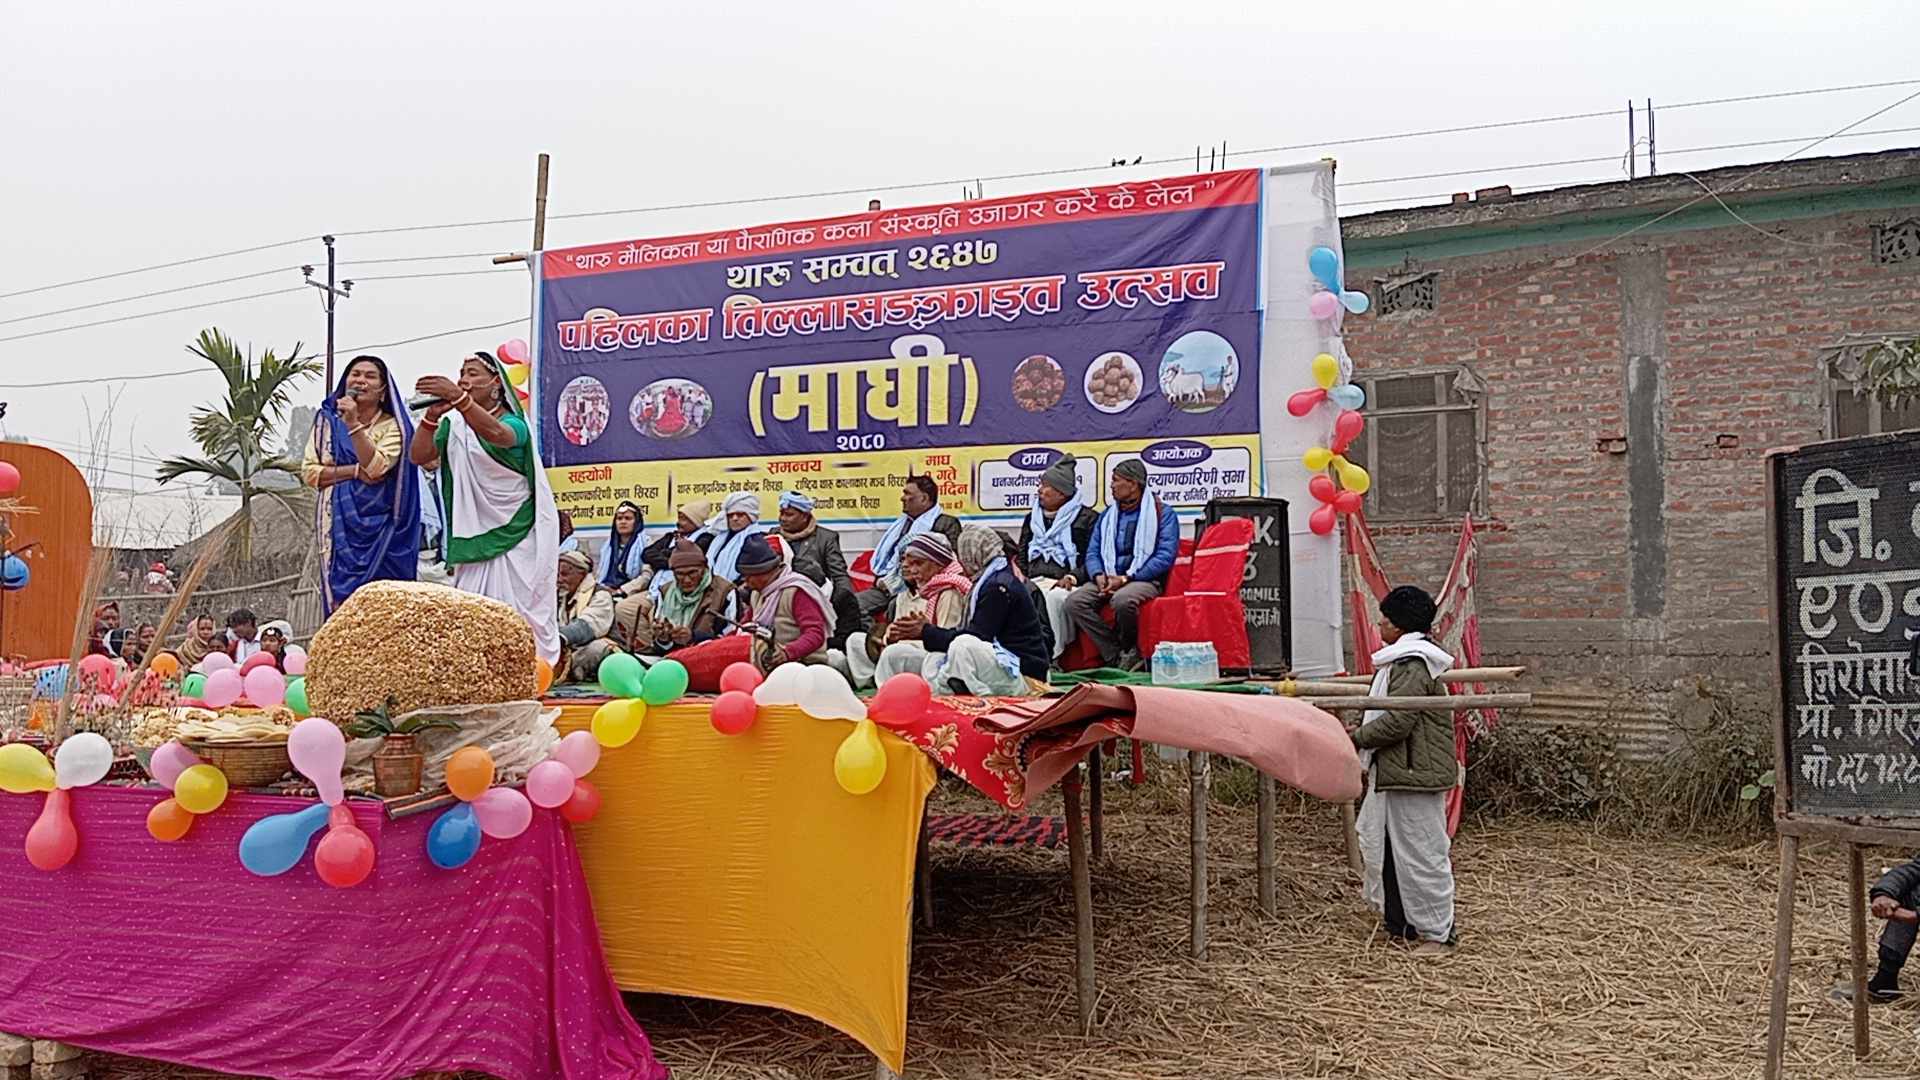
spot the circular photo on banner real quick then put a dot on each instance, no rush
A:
(670, 409)
(1199, 372)
(584, 409)
(1038, 383)
(1113, 382)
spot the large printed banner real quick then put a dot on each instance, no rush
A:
(973, 342)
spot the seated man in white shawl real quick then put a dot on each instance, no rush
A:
(584, 611)
(919, 512)
(1129, 559)
(1410, 768)
(502, 532)
(1052, 550)
(724, 535)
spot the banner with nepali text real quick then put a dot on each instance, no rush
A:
(974, 342)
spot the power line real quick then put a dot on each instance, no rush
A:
(145, 295)
(105, 379)
(157, 266)
(151, 314)
(442, 274)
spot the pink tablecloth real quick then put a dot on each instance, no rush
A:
(175, 952)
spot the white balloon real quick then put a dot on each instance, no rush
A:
(828, 697)
(81, 760)
(783, 687)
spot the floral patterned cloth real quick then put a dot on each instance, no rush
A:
(993, 764)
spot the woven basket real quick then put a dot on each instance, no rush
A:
(250, 764)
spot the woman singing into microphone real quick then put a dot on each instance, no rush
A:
(369, 508)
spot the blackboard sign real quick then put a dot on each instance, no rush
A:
(1846, 569)
(1266, 588)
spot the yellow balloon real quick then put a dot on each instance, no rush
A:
(1326, 371)
(1355, 479)
(517, 374)
(1316, 458)
(24, 769)
(201, 789)
(860, 763)
(618, 721)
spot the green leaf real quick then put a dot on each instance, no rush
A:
(1749, 793)
(1766, 779)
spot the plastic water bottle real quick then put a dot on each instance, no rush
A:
(1206, 663)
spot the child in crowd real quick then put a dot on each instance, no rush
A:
(243, 634)
(273, 642)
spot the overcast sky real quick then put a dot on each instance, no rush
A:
(139, 133)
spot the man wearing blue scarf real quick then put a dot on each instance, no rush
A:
(369, 503)
(919, 512)
(1054, 540)
(1129, 558)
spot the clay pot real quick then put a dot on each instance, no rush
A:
(397, 766)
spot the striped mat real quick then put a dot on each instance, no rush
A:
(995, 830)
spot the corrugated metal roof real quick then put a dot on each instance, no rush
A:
(157, 519)
(1639, 723)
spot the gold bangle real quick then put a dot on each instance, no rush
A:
(466, 399)
(352, 431)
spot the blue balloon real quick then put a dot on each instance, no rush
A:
(454, 838)
(51, 683)
(1356, 302)
(13, 573)
(1325, 265)
(275, 845)
(1348, 396)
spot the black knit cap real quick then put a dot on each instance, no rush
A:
(1409, 608)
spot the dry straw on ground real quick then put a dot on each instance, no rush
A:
(424, 644)
(1581, 956)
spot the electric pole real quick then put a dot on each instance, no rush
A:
(329, 296)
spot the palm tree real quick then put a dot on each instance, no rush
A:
(234, 435)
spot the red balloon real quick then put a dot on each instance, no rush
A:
(1321, 487)
(902, 702)
(1346, 428)
(740, 675)
(9, 478)
(583, 804)
(1305, 401)
(1348, 502)
(52, 841)
(733, 713)
(345, 855)
(259, 659)
(1321, 521)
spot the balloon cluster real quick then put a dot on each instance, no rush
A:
(81, 760)
(275, 844)
(514, 357)
(861, 762)
(1324, 263)
(634, 686)
(198, 788)
(504, 812)
(218, 682)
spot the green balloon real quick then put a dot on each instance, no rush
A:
(665, 681)
(193, 685)
(297, 697)
(623, 675)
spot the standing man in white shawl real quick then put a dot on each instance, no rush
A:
(1130, 558)
(503, 532)
(1410, 768)
(919, 512)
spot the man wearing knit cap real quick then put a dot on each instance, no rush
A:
(692, 604)
(1129, 557)
(817, 554)
(1054, 538)
(583, 609)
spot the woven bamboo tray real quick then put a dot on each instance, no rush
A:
(251, 764)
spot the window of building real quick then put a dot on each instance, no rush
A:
(1861, 360)
(1859, 413)
(1896, 242)
(1421, 444)
(1408, 292)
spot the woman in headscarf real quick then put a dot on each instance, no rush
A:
(938, 597)
(1411, 765)
(106, 619)
(503, 530)
(200, 641)
(999, 650)
(817, 554)
(369, 513)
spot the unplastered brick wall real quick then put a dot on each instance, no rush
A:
(1594, 587)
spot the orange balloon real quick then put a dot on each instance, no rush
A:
(166, 665)
(542, 676)
(168, 820)
(469, 773)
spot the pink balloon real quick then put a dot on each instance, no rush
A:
(740, 675)
(295, 662)
(579, 752)
(1324, 305)
(318, 750)
(265, 686)
(169, 760)
(98, 671)
(214, 662)
(549, 784)
(257, 660)
(513, 351)
(503, 812)
(223, 687)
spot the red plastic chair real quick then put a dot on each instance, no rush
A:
(1203, 604)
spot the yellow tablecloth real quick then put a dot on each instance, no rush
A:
(735, 868)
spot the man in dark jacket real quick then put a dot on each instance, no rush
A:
(1403, 823)
(1052, 550)
(688, 522)
(999, 650)
(1894, 898)
(919, 511)
(817, 556)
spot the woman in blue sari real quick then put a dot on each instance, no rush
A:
(369, 504)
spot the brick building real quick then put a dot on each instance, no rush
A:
(1600, 404)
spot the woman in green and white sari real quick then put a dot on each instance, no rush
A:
(502, 532)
